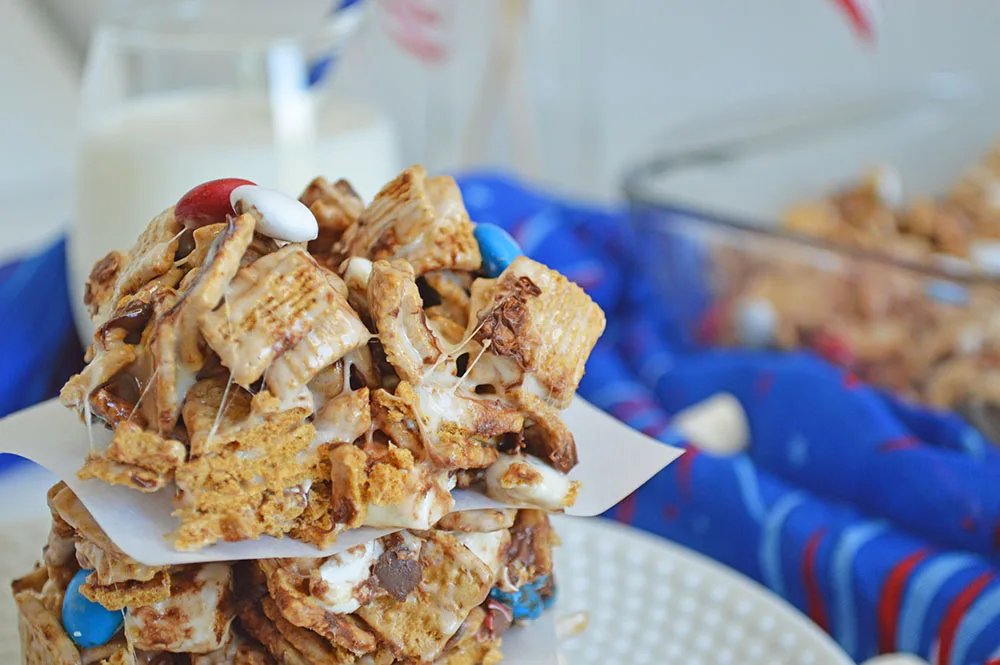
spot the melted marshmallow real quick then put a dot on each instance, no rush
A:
(198, 609)
(344, 574)
(542, 486)
(357, 272)
(490, 548)
(425, 501)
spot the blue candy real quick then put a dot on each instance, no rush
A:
(527, 602)
(88, 624)
(498, 248)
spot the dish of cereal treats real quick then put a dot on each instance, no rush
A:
(913, 310)
(298, 368)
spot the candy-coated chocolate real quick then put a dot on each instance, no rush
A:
(278, 215)
(498, 248)
(528, 602)
(208, 203)
(87, 623)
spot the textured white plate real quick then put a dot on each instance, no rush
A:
(654, 602)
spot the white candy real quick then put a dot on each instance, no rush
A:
(345, 574)
(756, 321)
(717, 426)
(278, 215)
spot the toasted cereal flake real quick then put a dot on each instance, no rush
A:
(239, 650)
(98, 372)
(116, 652)
(138, 478)
(454, 581)
(470, 644)
(395, 418)
(314, 647)
(344, 418)
(453, 290)
(136, 458)
(120, 595)
(175, 347)
(459, 430)
(530, 557)
(93, 546)
(420, 219)
(336, 331)
(410, 496)
(152, 256)
(545, 323)
(231, 488)
(270, 306)
(336, 208)
(547, 436)
(131, 445)
(348, 485)
(397, 313)
(43, 640)
(240, 493)
(289, 588)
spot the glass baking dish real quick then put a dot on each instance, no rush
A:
(707, 212)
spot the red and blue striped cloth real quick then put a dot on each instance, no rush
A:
(878, 519)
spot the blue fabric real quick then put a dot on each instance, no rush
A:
(38, 345)
(877, 518)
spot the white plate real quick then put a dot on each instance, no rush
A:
(654, 602)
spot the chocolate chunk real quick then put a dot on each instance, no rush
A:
(185, 244)
(560, 453)
(132, 318)
(529, 555)
(398, 572)
(511, 443)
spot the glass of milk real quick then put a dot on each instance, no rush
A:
(177, 92)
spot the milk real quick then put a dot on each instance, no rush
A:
(141, 159)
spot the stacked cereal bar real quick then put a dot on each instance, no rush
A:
(441, 596)
(299, 368)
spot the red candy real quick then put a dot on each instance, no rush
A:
(208, 203)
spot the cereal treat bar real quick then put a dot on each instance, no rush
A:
(928, 336)
(442, 596)
(304, 367)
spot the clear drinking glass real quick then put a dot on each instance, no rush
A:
(177, 92)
